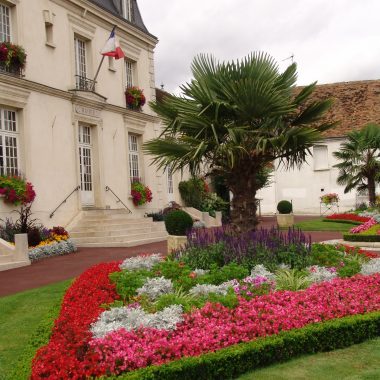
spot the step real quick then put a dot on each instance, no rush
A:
(158, 226)
(132, 243)
(127, 217)
(105, 212)
(119, 238)
(114, 231)
(102, 222)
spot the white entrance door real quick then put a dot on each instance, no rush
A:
(85, 165)
(170, 184)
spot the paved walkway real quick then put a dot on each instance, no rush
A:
(61, 268)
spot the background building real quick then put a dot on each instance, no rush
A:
(355, 104)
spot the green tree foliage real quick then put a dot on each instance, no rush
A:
(235, 119)
(359, 166)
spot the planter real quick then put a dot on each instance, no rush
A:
(176, 242)
(285, 220)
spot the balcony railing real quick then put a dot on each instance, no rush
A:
(10, 70)
(84, 84)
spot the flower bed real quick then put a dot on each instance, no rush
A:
(236, 307)
(347, 218)
(52, 248)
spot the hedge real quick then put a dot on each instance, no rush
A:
(38, 339)
(361, 237)
(354, 223)
(233, 361)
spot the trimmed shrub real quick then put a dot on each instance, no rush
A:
(284, 207)
(360, 237)
(178, 222)
(192, 192)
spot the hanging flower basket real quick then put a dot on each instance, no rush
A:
(135, 98)
(15, 190)
(330, 198)
(140, 193)
(12, 57)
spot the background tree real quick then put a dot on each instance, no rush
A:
(235, 118)
(359, 166)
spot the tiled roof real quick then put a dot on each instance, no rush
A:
(114, 7)
(355, 104)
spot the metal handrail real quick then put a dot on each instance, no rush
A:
(118, 199)
(64, 201)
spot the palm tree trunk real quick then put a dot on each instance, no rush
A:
(244, 204)
(371, 191)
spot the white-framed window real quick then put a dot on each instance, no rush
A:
(134, 167)
(129, 73)
(80, 62)
(321, 158)
(8, 142)
(5, 23)
(127, 9)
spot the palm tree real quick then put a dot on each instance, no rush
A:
(235, 119)
(359, 157)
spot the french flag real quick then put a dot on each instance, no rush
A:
(111, 48)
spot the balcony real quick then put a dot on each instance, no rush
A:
(10, 70)
(84, 84)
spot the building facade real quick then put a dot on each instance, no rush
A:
(65, 133)
(355, 105)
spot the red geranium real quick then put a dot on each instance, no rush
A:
(352, 217)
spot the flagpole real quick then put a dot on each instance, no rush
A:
(100, 65)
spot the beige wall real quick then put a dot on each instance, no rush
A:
(48, 110)
(304, 187)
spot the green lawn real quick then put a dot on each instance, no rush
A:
(356, 362)
(320, 225)
(20, 314)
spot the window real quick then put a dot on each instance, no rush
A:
(8, 143)
(134, 171)
(80, 63)
(129, 73)
(320, 154)
(170, 180)
(127, 9)
(5, 23)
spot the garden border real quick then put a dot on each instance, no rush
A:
(361, 237)
(346, 221)
(230, 362)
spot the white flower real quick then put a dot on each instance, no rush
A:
(200, 272)
(141, 262)
(321, 274)
(371, 267)
(206, 289)
(131, 319)
(261, 271)
(155, 287)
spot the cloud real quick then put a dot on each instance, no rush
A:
(331, 40)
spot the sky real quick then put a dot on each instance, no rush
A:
(331, 40)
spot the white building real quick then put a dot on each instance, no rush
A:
(356, 104)
(65, 138)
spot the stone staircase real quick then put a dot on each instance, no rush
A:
(115, 228)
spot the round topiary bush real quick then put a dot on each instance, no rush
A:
(177, 222)
(284, 207)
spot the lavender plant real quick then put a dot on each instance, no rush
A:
(264, 246)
